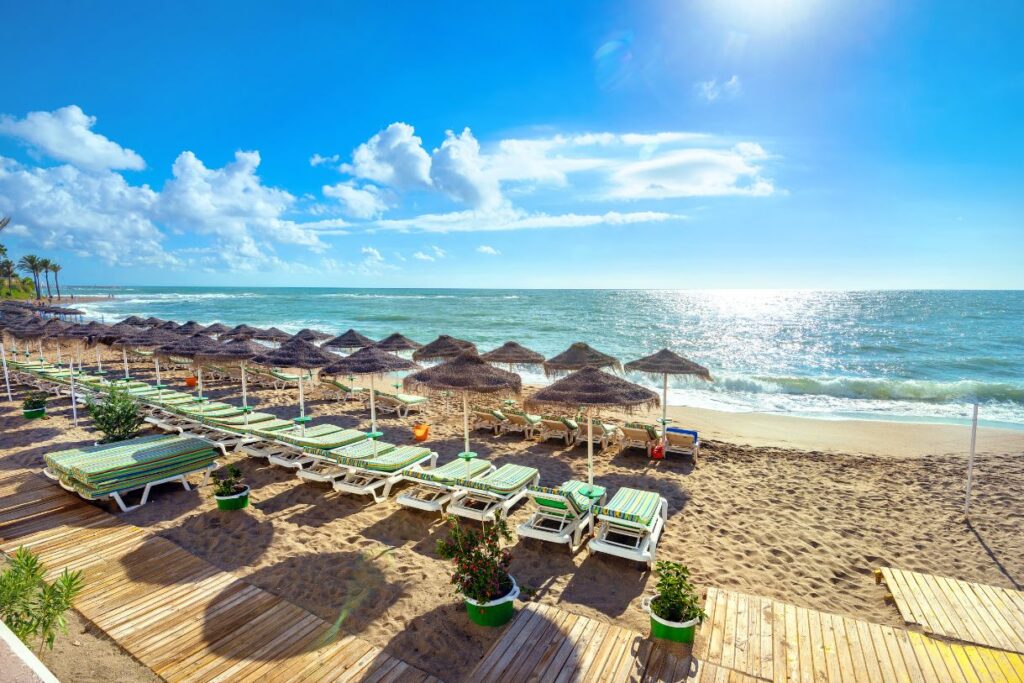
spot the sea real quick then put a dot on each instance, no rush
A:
(922, 356)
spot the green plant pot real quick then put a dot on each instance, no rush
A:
(234, 502)
(496, 612)
(675, 631)
(34, 413)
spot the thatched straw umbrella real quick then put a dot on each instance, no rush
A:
(170, 325)
(665, 363)
(238, 351)
(96, 330)
(134, 321)
(216, 328)
(300, 354)
(466, 374)
(310, 335)
(370, 361)
(348, 341)
(577, 357)
(54, 329)
(397, 342)
(272, 334)
(153, 321)
(242, 331)
(114, 334)
(513, 354)
(190, 328)
(593, 390)
(194, 348)
(443, 348)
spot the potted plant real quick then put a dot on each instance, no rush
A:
(230, 492)
(675, 611)
(34, 405)
(481, 570)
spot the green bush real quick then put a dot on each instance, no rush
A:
(29, 606)
(35, 400)
(117, 417)
(677, 598)
(481, 564)
(229, 485)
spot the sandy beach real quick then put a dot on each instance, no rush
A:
(795, 509)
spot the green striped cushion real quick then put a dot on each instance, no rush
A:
(90, 491)
(447, 474)
(61, 461)
(333, 438)
(102, 467)
(531, 419)
(652, 431)
(507, 479)
(345, 387)
(394, 460)
(254, 419)
(631, 505)
(566, 495)
(407, 399)
(357, 451)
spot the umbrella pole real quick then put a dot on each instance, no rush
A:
(40, 341)
(7, 379)
(59, 359)
(74, 402)
(124, 354)
(302, 406)
(590, 453)
(970, 462)
(664, 415)
(245, 401)
(99, 361)
(199, 375)
(465, 428)
(373, 407)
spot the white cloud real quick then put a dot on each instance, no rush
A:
(490, 251)
(712, 90)
(697, 172)
(422, 257)
(317, 160)
(458, 169)
(66, 135)
(514, 219)
(438, 251)
(371, 255)
(359, 202)
(394, 156)
(95, 214)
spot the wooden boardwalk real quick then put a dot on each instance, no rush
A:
(965, 611)
(777, 641)
(544, 643)
(175, 613)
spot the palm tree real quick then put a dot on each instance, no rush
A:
(44, 267)
(55, 268)
(7, 272)
(34, 265)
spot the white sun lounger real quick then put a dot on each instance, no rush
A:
(433, 488)
(325, 468)
(486, 497)
(550, 428)
(630, 525)
(375, 476)
(563, 513)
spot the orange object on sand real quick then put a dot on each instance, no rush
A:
(191, 381)
(421, 432)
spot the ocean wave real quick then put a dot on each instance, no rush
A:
(962, 391)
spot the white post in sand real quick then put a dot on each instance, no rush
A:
(59, 359)
(373, 407)
(465, 429)
(74, 399)
(302, 406)
(970, 461)
(199, 375)
(7, 379)
(590, 453)
(664, 416)
(245, 401)
(99, 361)
(40, 342)
(124, 354)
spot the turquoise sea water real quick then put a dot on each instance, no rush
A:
(906, 355)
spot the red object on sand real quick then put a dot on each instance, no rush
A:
(191, 381)
(658, 452)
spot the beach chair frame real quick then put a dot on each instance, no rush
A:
(429, 496)
(547, 429)
(485, 419)
(617, 537)
(558, 526)
(376, 483)
(484, 506)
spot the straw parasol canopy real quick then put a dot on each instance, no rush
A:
(216, 328)
(115, 332)
(371, 361)
(237, 351)
(153, 321)
(272, 334)
(577, 357)
(593, 389)
(311, 335)
(193, 347)
(191, 327)
(667, 362)
(397, 342)
(170, 325)
(443, 347)
(147, 338)
(242, 331)
(466, 374)
(133, 320)
(349, 340)
(513, 354)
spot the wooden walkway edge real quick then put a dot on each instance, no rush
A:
(961, 610)
(177, 614)
(776, 641)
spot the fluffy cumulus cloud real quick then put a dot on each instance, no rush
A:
(359, 202)
(66, 135)
(458, 170)
(509, 218)
(394, 156)
(488, 250)
(694, 173)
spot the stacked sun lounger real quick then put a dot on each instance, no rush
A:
(111, 470)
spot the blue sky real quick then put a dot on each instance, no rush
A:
(728, 143)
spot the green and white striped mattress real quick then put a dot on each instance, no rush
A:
(631, 506)
(505, 480)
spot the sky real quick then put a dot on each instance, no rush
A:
(709, 144)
